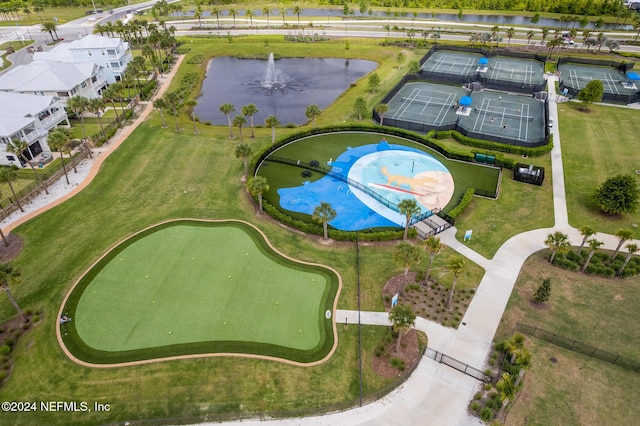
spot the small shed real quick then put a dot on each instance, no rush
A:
(529, 173)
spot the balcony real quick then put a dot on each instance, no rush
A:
(53, 119)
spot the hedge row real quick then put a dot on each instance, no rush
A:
(600, 264)
(316, 229)
(495, 146)
(465, 200)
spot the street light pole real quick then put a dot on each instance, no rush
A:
(95, 11)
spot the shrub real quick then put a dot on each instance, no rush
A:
(474, 406)
(478, 395)
(487, 386)
(486, 414)
(9, 342)
(420, 275)
(35, 319)
(3, 375)
(5, 349)
(397, 363)
(412, 286)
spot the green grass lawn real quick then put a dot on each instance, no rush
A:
(576, 389)
(520, 207)
(157, 294)
(596, 145)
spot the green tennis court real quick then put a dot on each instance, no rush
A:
(217, 287)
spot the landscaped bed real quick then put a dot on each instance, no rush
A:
(197, 287)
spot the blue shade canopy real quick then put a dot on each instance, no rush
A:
(633, 76)
(465, 101)
(483, 61)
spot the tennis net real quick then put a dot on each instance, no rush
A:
(503, 113)
(428, 102)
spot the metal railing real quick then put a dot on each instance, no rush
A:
(459, 365)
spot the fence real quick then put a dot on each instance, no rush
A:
(459, 365)
(30, 191)
(114, 124)
(489, 83)
(580, 347)
(621, 66)
(606, 97)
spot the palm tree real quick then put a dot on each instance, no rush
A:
(586, 231)
(623, 235)
(257, 185)
(249, 14)
(272, 121)
(558, 243)
(545, 34)
(324, 213)
(8, 175)
(227, 109)
(402, 318)
(297, 11)
(406, 254)
(50, 27)
(510, 33)
(266, 11)
(594, 245)
(381, 109)
(79, 105)
(110, 94)
(233, 13)
(172, 102)
(455, 265)
(58, 140)
(409, 208)
(244, 151)
(198, 15)
(530, 35)
(96, 106)
(191, 105)
(11, 275)
(239, 121)
(631, 248)
(250, 110)
(283, 13)
(18, 147)
(4, 237)
(216, 11)
(160, 105)
(312, 112)
(433, 246)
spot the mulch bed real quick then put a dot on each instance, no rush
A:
(428, 301)
(409, 354)
(16, 244)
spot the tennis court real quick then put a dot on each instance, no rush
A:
(578, 76)
(519, 118)
(426, 103)
(517, 70)
(449, 62)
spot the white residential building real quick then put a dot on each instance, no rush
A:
(112, 54)
(28, 117)
(59, 79)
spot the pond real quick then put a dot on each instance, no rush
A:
(283, 87)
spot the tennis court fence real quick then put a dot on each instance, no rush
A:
(487, 82)
(620, 66)
(572, 92)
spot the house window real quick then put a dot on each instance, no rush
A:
(90, 53)
(102, 51)
(94, 79)
(111, 52)
(114, 65)
(11, 158)
(83, 84)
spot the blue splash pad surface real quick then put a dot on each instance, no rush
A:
(355, 209)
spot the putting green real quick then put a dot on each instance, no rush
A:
(188, 287)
